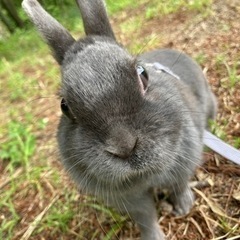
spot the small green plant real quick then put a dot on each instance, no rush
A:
(8, 223)
(233, 73)
(19, 45)
(115, 6)
(232, 67)
(217, 130)
(165, 7)
(19, 146)
(16, 83)
(132, 25)
(119, 220)
(141, 44)
(201, 58)
(58, 217)
(198, 5)
(236, 142)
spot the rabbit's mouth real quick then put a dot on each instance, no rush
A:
(138, 165)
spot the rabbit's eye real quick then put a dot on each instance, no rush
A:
(143, 76)
(65, 109)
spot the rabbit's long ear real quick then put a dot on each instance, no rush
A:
(95, 18)
(57, 37)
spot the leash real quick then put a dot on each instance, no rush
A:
(220, 147)
(210, 140)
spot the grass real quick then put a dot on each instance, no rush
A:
(117, 6)
(160, 8)
(218, 129)
(233, 74)
(20, 145)
(19, 124)
(36, 198)
(25, 79)
(232, 67)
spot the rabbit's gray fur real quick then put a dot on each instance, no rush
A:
(117, 141)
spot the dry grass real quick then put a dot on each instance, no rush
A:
(44, 204)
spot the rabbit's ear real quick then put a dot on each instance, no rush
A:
(57, 37)
(95, 18)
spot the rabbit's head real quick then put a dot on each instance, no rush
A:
(115, 126)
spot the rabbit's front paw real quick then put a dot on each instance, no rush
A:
(154, 234)
(183, 202)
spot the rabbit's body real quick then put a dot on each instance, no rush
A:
(124, 131)
(168, 124)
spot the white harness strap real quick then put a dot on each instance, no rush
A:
(222, 148)
(210, 140)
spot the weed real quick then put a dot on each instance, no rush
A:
(198, 5)
(19, 45)
(131, 25)
(233, 73)
(58, 217)
(115, 6)
(141, 44)
(119, 220)
(232, 68)
(20, 145)
(162, 8)
(236, 142)
(9, 221)
(217, 130)
(201, 58)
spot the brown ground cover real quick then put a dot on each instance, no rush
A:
(214, 40)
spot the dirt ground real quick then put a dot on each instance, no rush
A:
(215, 41)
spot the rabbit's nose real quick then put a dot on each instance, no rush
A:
(121, 143)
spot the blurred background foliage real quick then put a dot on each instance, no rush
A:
(12, 17)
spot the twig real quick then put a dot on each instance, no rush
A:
(198, 227)
(178, 230)
(15, 175)
(186, 229)
(37, 220)
(233, 238)
(229, 196)
(206, 220)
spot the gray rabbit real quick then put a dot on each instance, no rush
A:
(128, 125)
